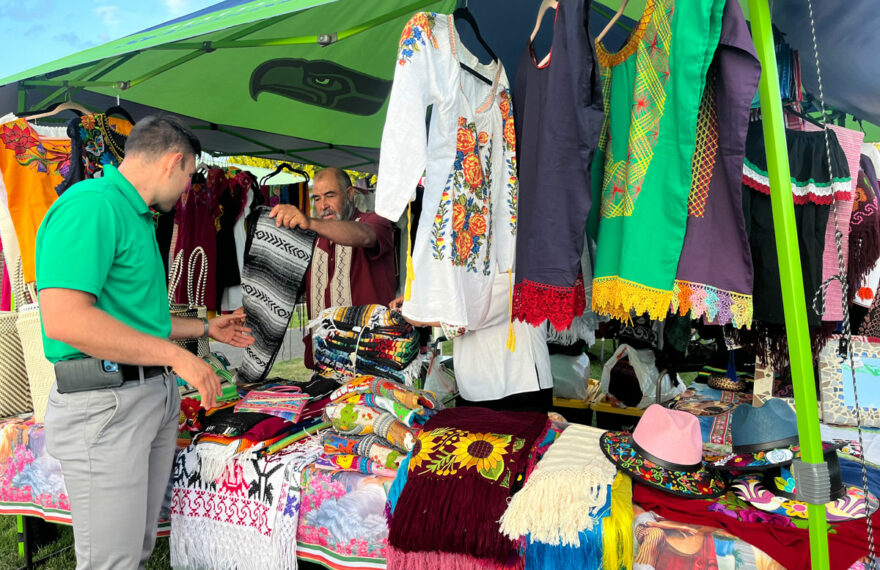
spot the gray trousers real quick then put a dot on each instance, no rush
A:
(116, 448)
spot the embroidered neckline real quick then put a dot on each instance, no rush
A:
(608, 59)
(456, 45)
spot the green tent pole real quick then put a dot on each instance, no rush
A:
(793, 301)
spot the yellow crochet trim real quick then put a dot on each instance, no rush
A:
(695, 297)
(618, 298)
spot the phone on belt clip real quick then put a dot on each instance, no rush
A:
(88, 373)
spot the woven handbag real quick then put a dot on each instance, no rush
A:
(15, 394)
(40, 372)
(195, 306)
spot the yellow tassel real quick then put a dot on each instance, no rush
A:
(410, 272)
(511, 335)
(617, 533)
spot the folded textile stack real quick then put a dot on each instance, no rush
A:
(228, 436)
(565, 507)
(375, 423)
(464, 469)
(369, 339)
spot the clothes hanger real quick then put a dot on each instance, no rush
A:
(464, 14)
(612, 21)
(286, 166)
(542, 9)
(55, 109)
(118, 110)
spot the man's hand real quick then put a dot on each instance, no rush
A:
(289, 217)
(230, 329)
(200, 375)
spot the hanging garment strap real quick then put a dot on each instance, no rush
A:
(174, 274)
(195, 287)
(845, 349)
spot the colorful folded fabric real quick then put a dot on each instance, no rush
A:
(367, 339)
(405, 395)
(410, 417)
(218, 452)
(373, 447)
(354, 419)
(355, 463)
(461, 476)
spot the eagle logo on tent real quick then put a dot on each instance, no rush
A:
(323, 83)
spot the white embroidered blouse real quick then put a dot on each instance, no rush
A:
(468, 222)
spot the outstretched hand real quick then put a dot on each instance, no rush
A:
(289, 217)
(230, 329)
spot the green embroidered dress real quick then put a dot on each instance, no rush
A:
(643, 168)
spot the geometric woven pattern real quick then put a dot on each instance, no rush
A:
(15, 396)
(706, 149)
(650, 42)
(275, 264)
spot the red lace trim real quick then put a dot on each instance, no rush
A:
(535, 303)
(800, 200)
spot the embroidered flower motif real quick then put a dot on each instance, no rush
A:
(18, 138)
(465, 141)
(417, 32)
(787, 484)
(485, 451)
(464, 242)
(504, 105)
(509, 132)
(484, 137)
(95, 146)
(458, 217)
(477, 224)
(795, 509)
(473, 171)
(424, 447)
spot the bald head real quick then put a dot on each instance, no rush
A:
(333, 195)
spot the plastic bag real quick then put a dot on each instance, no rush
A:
(570, 376)
(440, 380)
(642, 362)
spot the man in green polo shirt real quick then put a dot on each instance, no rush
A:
(104, 301)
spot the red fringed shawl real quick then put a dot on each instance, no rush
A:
(465, 466)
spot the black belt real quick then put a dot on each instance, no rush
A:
(131, 373)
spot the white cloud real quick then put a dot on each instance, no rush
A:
(109, 16)
(177, 7)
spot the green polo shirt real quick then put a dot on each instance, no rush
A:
(99, 237)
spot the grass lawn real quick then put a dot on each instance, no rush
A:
(293, 369)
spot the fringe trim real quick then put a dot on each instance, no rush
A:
(582, 328)
(399, 560)
(574, 494)
(720, 307)
(585, 556)
(617, 528)
(198, 543)
(214, 459)
(619, 298)
(535, 303)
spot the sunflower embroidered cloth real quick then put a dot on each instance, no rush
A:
(467, 226)
(642, 171)
(462, 472)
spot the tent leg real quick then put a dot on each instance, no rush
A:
(793, 301)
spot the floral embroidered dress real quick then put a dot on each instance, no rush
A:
(468, 223)
(642, 172)
(33, 161)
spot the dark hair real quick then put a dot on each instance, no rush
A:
(342, 179)
(156, 135)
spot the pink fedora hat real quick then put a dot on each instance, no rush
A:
(665, 451)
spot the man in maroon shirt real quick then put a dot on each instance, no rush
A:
(353, 263)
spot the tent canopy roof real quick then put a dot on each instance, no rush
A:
(307, 80)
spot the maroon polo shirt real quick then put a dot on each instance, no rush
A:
(372, 271)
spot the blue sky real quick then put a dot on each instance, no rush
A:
(39, 31)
